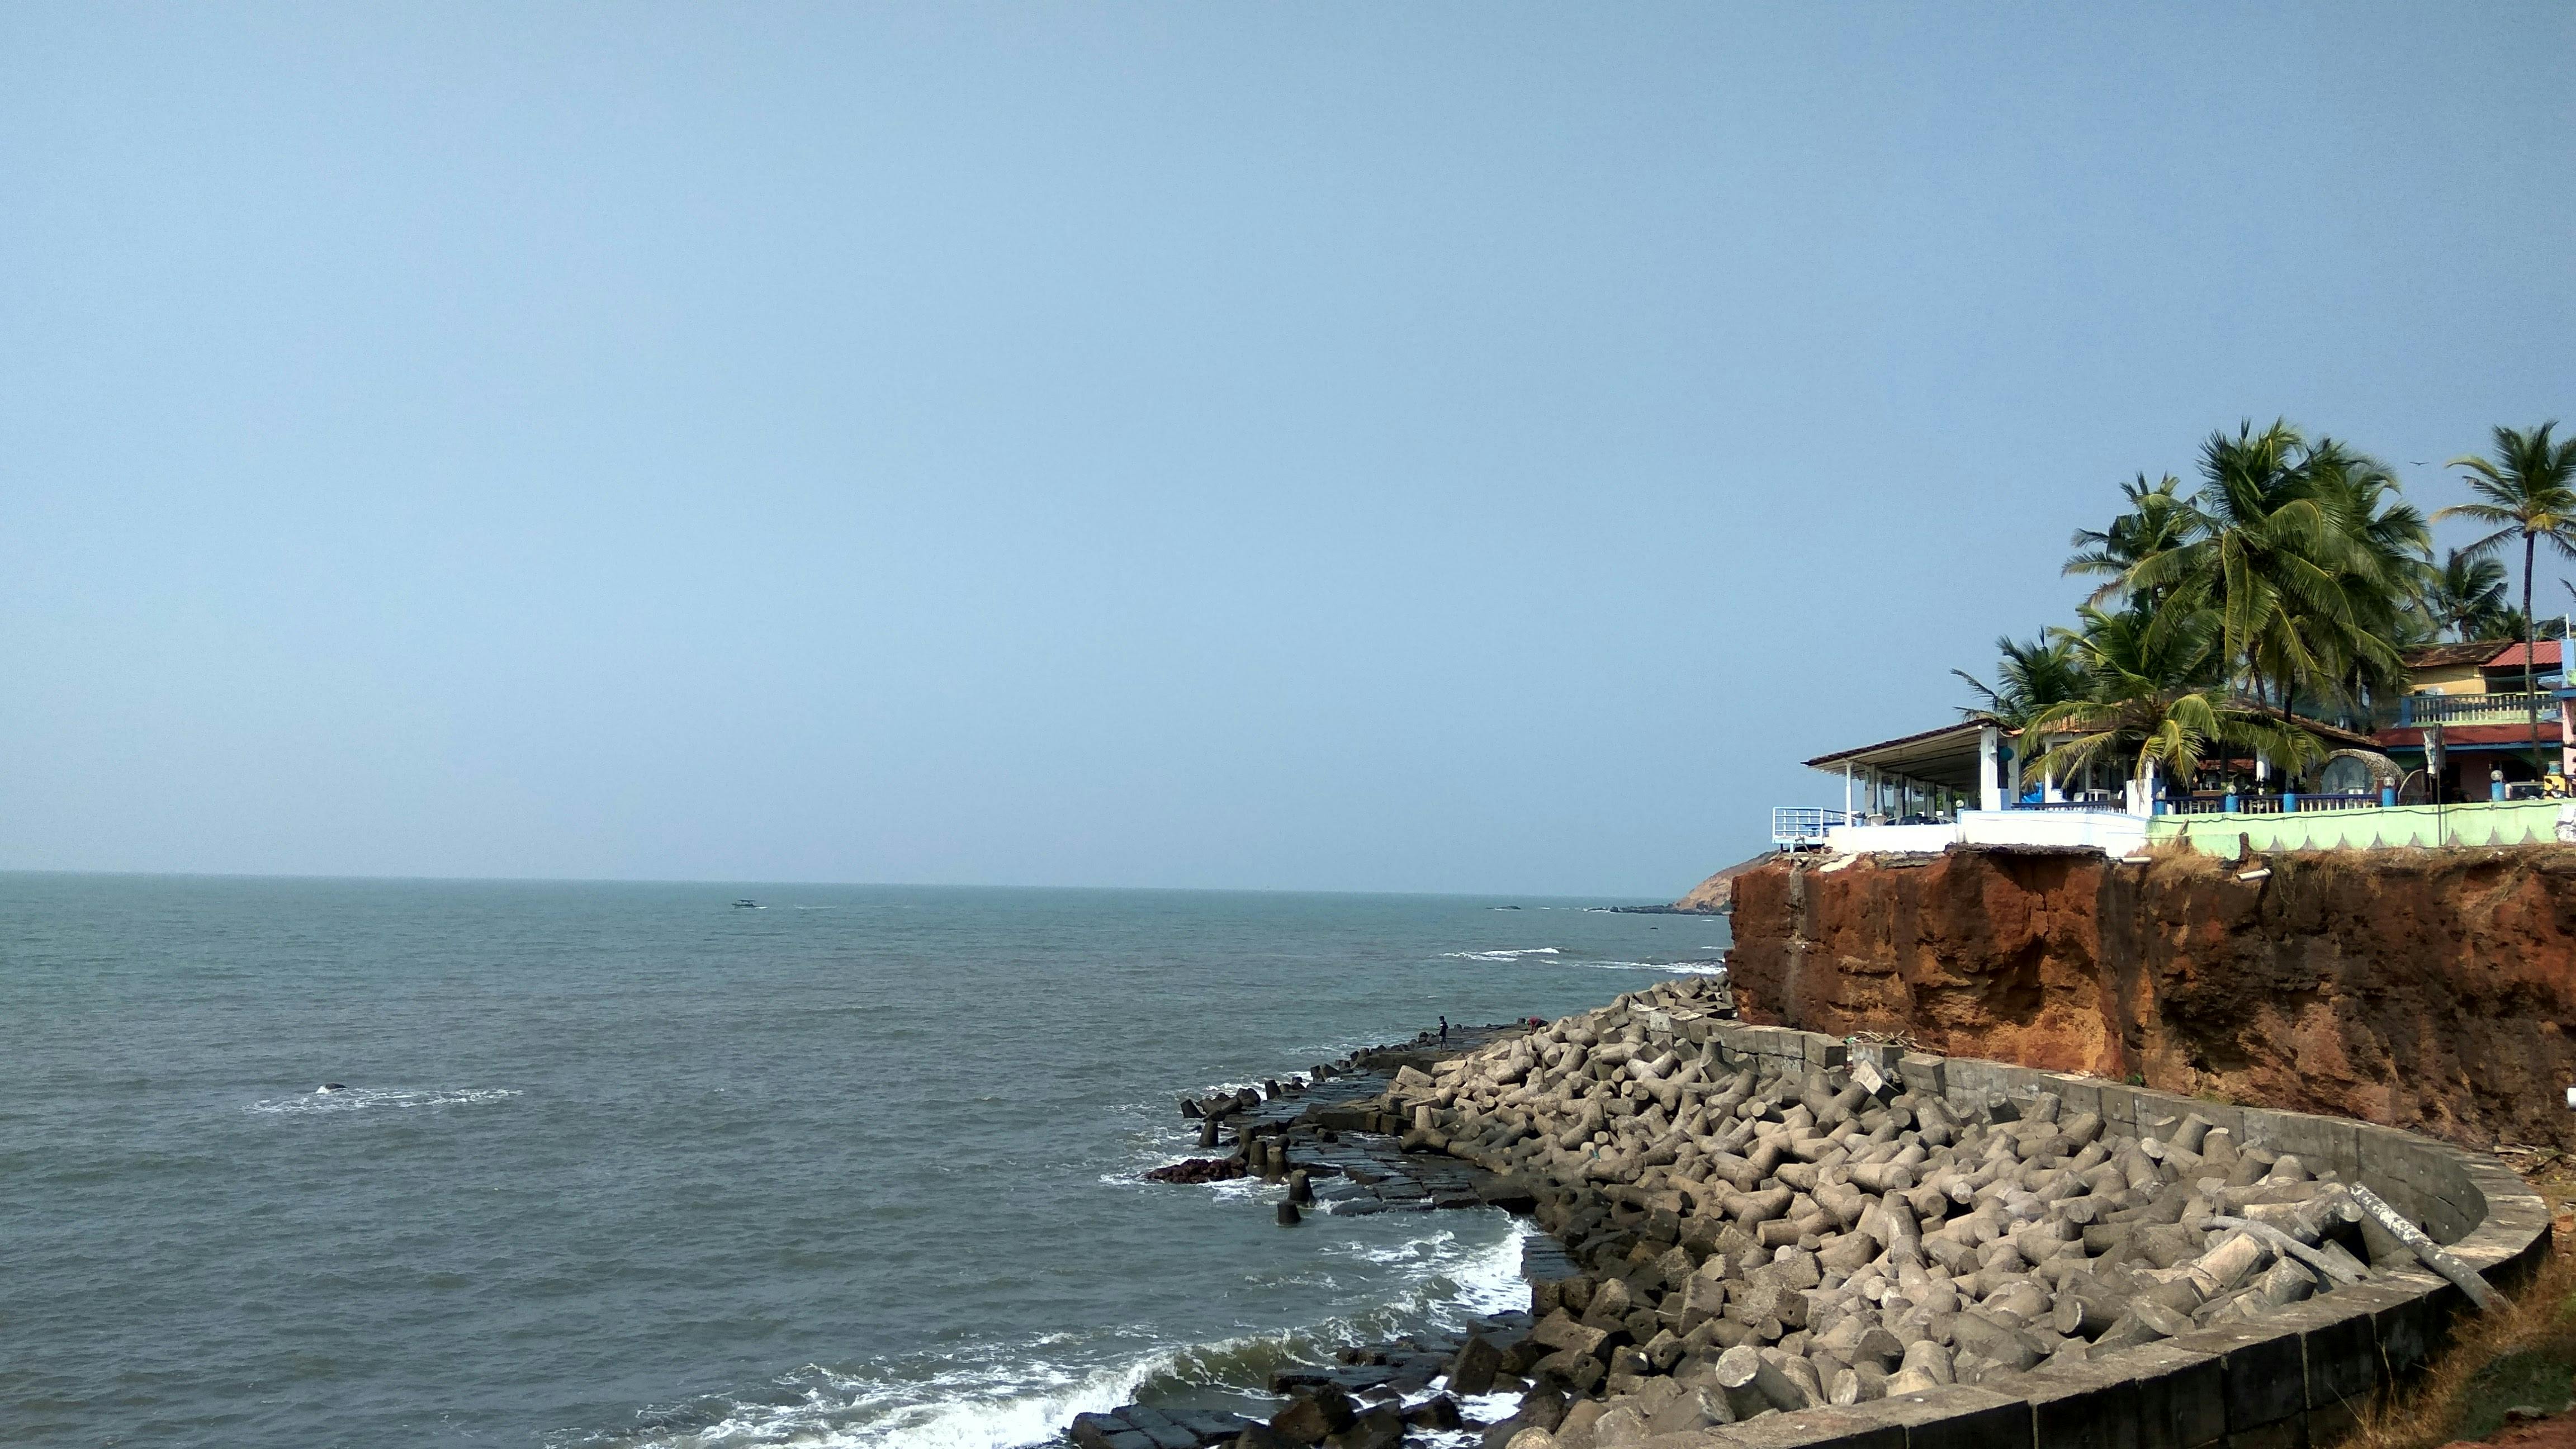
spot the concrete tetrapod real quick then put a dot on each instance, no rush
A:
(1756, 1223)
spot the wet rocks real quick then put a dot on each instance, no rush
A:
(1137, 1427)
(1200, 1169)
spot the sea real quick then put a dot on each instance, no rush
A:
(627, 1165)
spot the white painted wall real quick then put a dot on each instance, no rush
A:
(2113, 832)
(1891, 839)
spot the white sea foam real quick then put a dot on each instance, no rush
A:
(1664, 968)
(352, 1099)
(1502, 955)
(971, 1405)
(1003, 1396)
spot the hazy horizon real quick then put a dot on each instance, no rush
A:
(1444, 450)
(892, 885)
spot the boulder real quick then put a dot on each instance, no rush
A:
(1315, 1415)
(1472, 1370)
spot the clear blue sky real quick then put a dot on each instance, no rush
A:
(1434, 447)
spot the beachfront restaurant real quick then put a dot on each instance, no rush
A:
(1960, 784)
(1964, 784)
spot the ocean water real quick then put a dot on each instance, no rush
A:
(623, 1166)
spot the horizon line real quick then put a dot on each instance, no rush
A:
(829, 884)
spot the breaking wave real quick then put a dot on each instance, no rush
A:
(1501, 955)
(1006, 1395)
(353, 1099)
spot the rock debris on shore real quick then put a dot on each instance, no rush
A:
(1758, 1243)
(1740, 1242)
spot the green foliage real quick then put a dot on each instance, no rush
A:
(2155, 701)
(2285, 583)
(2526, 491)
(2030, 677)
(2465, 599)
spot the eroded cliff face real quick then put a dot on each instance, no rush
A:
(2427, 990)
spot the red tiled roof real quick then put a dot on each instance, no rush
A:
(2511, 658)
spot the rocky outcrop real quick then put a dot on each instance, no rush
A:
(1716, 894)
(2427, 990)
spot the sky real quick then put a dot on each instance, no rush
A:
(1441, 447)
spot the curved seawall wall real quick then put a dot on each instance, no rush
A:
(2297, 1377)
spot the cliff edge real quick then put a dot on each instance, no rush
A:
(2420, 989)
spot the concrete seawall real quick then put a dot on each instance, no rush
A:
(2297, 1378)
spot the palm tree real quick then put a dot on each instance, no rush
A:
(2159, 518)
(2029, 677)
(2384, 575)
(2465, 598)
(2291, 547)
(2154, 704)
(2527, 491)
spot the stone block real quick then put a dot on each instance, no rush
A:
(2085, 1406)
(1809, 1429)
(2341, 1350)
(2182, 1394)
(1923, 1073)
(2266, 1373)
(2417, 1325)
(1960, 1417)
(1969, 1081)
(2119, 1110)
(2078, 1094)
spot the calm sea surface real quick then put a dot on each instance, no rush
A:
(625, 1166)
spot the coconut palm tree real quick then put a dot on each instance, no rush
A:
(2465, 599)
(2029, 676)
(2384, 576)
(2154, 705)
(2526, 491)
(2159, 518)
(2302, 551)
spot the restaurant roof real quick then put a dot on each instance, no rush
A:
(2451, 656)
(1944, 756)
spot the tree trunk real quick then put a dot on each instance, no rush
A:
(2530, 653)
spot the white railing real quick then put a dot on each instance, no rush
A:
(2348, 800)
(1797, 827)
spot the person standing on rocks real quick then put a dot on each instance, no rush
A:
(1444, 1030)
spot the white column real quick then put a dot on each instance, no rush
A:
(1990, 789)
(1847, 792)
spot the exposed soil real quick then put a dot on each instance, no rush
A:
(2428, 990)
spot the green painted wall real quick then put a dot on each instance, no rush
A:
(2516, 822)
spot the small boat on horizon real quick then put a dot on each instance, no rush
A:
(748, 904)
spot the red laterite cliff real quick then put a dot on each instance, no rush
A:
(2429, 990)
